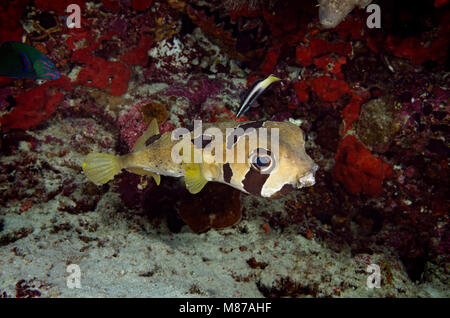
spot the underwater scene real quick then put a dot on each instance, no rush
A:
(224, 148)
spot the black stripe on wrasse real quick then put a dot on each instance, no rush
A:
(255, 90)
(249, 98)
(152, 139)
(252, 99)
(227, 172)
(252, 87)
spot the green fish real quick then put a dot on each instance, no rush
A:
(19, 60)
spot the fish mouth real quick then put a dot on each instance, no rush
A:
(308, 179)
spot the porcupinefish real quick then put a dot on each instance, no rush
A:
(273, 166)
(256, 89)
(19, 60)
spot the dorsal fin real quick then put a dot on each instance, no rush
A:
(151, 131)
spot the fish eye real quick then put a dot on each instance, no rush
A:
(261, 163)
(262, 160)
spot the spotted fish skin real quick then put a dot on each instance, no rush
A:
(292, 167)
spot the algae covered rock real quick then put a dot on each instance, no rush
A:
(378, 123)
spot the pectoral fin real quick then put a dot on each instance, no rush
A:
(143, 172)
(194, 178)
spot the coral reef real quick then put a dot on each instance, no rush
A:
(132, 125)
(101, 73)
(223, 210)
(35, 106)
(358, 169)
(332, 12)
(139, 55)
(378, 123)
(10, 26)
(373, 104)
(329, 89)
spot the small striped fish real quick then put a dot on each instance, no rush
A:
(256, 89)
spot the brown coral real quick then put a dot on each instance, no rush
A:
(378, 123)
(165, 29)
(217, 206)
(154, 110)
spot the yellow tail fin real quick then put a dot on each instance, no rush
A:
(101, 167)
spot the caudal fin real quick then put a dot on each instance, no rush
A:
(101, 167)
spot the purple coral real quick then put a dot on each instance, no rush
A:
(197, 90)
(120, 26)
(131, 124)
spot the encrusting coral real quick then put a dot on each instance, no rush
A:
(373, 104)
(332, 12)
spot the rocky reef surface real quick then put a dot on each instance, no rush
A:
(373, 103)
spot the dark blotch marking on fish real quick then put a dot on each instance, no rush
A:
(287, 188)
(233, 137)
(262, 152)
(254, 181)
(227, 172)
(152, 139)
(255, 124)
(205, 141)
